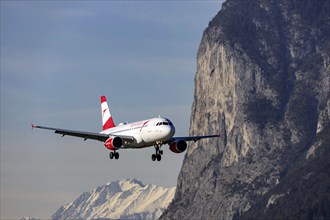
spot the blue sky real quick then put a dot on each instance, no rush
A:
(57, 59)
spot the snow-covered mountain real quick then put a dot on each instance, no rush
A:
(124, 199)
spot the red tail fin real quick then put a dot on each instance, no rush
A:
(107, 121)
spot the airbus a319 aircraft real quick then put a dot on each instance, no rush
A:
(151, 132)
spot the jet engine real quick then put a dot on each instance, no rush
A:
(114, 143)
(178, 146)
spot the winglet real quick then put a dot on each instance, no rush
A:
(32, 126)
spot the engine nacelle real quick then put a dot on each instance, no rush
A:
(114, 143)
(178, 146)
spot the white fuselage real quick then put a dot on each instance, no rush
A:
(146, 133)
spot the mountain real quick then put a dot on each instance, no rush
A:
(125, 199)
(262, 82)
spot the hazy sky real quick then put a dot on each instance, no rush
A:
(57, 59)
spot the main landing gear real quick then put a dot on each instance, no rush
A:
(114, 155)
(158, 154)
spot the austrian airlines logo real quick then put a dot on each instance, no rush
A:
(104, 110)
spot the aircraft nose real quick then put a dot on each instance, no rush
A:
(170, 130)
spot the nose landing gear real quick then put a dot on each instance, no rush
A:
(158, 154)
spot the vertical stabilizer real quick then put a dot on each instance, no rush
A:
(107, 121)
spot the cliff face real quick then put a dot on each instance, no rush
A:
(262, 82)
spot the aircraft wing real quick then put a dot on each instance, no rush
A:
(124, 137)
(86, 135)
(194, 138)
(81, 134)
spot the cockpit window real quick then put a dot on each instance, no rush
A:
(164, 123)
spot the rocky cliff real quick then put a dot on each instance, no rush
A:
(262, 82)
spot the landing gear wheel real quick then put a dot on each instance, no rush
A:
(114, 155)
(159, 152)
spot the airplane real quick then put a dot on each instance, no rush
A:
(141, 134)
